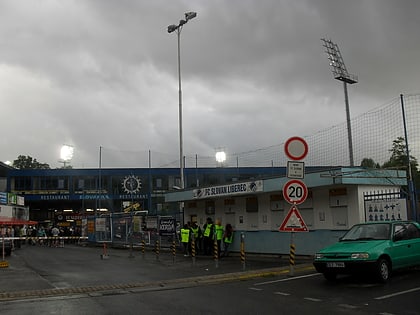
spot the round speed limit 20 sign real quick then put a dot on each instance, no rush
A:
(295, 192)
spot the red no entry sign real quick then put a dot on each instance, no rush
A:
(295, 192)
(296, 148)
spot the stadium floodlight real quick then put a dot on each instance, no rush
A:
(340, 73)
(220, 157)
(66, 154)
(178, 28)
(190, 15)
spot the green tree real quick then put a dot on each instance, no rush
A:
(369, 163)
(398, 157)
(27, 162)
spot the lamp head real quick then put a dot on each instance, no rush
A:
(66, 152)
(172, 28)
(190, 15)
(220, 156)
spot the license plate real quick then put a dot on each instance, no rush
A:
(335, 265)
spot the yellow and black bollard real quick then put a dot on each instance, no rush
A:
(3, 263)
(243, 250)
(143, 247)
(193, 253)
(216, 252)
(292, 256)
(173, 247)
(157, 249)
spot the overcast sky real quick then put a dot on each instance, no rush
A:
(102, 73)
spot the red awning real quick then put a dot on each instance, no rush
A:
(15, 221)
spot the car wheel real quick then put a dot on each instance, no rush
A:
(383, 270)
(330, 276)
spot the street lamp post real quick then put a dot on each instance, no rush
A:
(177, 29)
(340, 73)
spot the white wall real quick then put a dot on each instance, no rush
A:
(321, 212)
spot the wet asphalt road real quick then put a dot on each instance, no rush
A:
(74, 266)
(75, 280)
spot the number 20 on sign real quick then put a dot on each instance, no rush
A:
(295, 192)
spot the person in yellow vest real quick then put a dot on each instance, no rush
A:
(219, 231)
(227, 239)
(185, 238)
(208, 234)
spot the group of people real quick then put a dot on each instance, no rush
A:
(206, 238)
(36, 235)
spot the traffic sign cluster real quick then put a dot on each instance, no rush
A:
(295, 191)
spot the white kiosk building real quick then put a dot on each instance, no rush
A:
(337, 198)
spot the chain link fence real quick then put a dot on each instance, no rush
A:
(372, 133)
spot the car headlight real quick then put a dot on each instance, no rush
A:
(360, 255)
(319, 256)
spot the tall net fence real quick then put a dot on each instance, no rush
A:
(372, 135)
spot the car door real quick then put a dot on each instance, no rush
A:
(401, 247)
(413, 232)
(406, 245)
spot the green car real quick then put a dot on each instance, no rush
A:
(374, 248)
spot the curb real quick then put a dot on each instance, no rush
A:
(150, 286)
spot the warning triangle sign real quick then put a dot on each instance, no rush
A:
(293, 222)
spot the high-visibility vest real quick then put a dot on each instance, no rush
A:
(228, 239)
(185, 235)
(219, 232)
(195, 232)
(207, 231)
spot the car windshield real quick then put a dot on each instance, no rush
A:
(377, 231)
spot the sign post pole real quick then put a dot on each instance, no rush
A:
(295, 192)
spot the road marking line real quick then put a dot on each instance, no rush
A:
(312, 299)
(348, 306)
(396, 294)
(288, 279)
(282, 293)
(255, 289)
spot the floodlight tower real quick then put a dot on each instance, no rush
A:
(340, 73)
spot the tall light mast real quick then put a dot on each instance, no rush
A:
(340, 73)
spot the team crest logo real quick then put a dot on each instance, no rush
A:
(131, 184)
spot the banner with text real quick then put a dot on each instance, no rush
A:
(228, 190)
